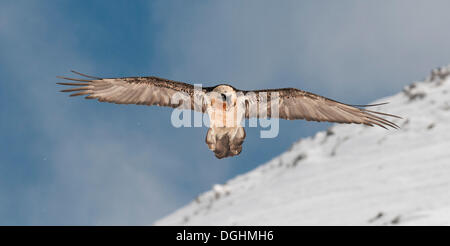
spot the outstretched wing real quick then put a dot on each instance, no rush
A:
(136, 90)
(297, 104)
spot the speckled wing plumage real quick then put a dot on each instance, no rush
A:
(298, 104)
(136, 90)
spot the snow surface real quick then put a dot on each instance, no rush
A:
(348, 175)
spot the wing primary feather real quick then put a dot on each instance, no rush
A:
(375, 112)
(382, 121)
(82, 80)
(371, 122)
(85, 75)
(380, 125)
(368, 105)
(76, 89)
(74, 84)
(79, 94)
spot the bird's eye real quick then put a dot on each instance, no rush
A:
(224, 97)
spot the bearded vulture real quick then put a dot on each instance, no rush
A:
(225, 105)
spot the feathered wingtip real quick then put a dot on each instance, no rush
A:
(84, 75)
(378, 120)
(81, 82)
(90, 78)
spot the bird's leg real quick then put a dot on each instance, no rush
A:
(211, 138)
(225, 141)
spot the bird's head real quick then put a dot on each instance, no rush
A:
(225, 94)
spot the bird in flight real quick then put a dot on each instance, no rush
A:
(225, 105)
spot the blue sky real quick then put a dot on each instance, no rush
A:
(67, 161)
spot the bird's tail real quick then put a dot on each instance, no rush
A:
(225, 141)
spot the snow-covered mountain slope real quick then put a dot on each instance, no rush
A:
(348, 175)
